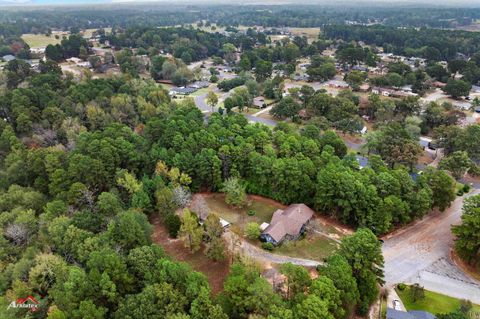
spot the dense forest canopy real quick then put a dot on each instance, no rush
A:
(38, 20)
(432, 44)
(84, 164)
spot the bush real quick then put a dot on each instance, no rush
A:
(460, 192)
(474, 170)
(466, 188)
(172, 222)
(251, 212)
(252, 230)
(268, 246)
(227, 85)
(401, 286)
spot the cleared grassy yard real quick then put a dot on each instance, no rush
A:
(433, 302)
(39, 40)
(264, 209)
(313, 246)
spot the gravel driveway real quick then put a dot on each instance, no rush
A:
(421, 254)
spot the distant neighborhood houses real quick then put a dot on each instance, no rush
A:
(189, 89)
(287, 224)
(402, 92)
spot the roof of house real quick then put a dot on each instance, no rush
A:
(289, 221)
(8, 57)
(183, 90)
(412, 314)
(419, 314)
(199, 84)
(362, 161)
(397, 314)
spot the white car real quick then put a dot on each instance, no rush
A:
(396, 304)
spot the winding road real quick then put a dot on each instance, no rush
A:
(421, 253)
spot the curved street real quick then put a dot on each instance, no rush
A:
(421, 253)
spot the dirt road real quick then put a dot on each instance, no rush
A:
(421, 254)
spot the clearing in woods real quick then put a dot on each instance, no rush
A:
(39, 40)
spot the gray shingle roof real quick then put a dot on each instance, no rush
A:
(289, 221)
(412, 314)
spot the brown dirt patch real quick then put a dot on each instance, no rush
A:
(471, 270)
(426, 158)
(356, 139)
(216, 272)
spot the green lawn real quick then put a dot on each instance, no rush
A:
(314, 246)
(433, 302)
(200, 92)
(39, 40)
(264, 210)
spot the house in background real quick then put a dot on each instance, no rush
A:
(287, 224)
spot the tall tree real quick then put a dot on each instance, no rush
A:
(364, 254)
(190, 231)
(467, 243)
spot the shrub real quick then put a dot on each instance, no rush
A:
(460, 192)
(172, 222)
(401, 286)
(268, 246)
(474, 170)
(252, 230)
(251, 212)
(466, 188)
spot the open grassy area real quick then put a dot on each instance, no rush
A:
(39, 40)
(313, 246)
(200, 92)
(433, 302)
(89, 32)
(263, 208)
(310, 33)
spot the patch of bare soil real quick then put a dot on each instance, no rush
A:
(426, 158)
(470, 270)
(355, 139)
(216, 272)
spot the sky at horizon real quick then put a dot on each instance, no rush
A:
(268, 2)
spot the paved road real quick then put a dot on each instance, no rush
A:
(421, 254)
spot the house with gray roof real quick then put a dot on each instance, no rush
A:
(8, 58)
(181, 91)
(287, 224)
(412, 314)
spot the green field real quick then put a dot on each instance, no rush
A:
(39, 40)
(433, 302)
(314, 246)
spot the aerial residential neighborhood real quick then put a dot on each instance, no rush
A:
(214, 160)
